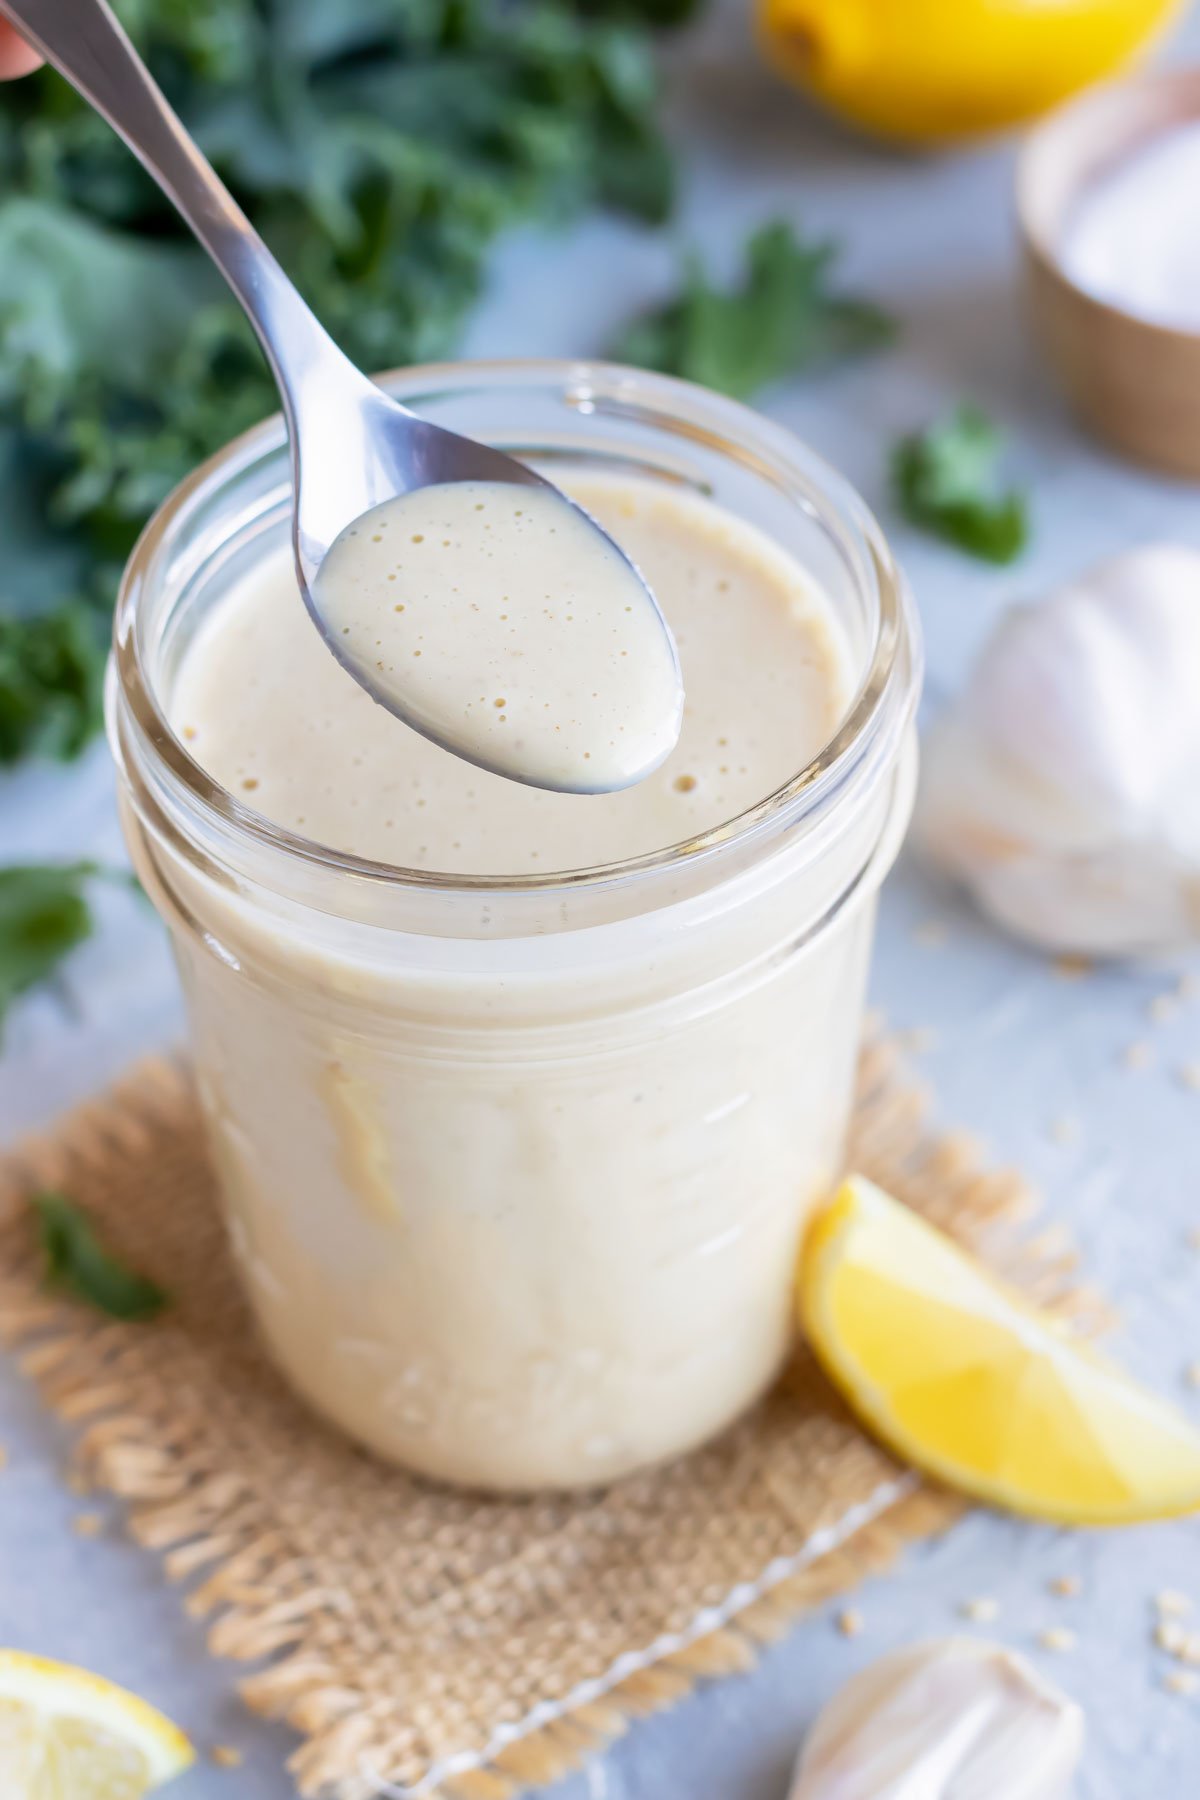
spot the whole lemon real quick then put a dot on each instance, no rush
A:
(932, 70)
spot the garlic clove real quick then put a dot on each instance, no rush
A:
(1063, 789)
(952, 1719)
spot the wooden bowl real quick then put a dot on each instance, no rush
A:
(1135, 384)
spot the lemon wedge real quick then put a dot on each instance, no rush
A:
(68, 1735)
(956, 1373)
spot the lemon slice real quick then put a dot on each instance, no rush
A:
(958, 1375)
(68, 1735)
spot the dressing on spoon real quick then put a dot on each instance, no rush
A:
(511, 631)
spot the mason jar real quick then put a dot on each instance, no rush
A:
(516, 1169)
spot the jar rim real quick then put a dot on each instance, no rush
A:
(881, 706)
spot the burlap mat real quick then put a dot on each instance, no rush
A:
(428, 1640)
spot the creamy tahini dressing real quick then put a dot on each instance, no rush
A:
(271, 715)
(502, 624)
(524, 1211)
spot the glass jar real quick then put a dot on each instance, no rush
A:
(516, 1169)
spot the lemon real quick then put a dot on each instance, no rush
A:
(929, 70)
(962, 1378)
(68, 1735)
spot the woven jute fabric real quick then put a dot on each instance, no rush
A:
(421, 1639)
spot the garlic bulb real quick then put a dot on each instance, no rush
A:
(1064, 787)
(956, 1719)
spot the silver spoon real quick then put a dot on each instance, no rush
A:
(352, 447)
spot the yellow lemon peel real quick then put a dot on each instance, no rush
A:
(933, 70)
(66, 1734)
(960, 1376)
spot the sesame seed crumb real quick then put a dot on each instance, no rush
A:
(1170, 1635)
(1171, 1602)
(1058, 1639)
(1066, 1586)
(850, 1623)
(919, 1040)
(1191, 1374)
(1189, 1076)
(1137, 1055)
(87, 1524)
(1181, 1681)
(225, 1756)
(1064, 1130)
(1189, 1650)
(982, 1610)
(1193, 1238)
(77, 1482)
(1162, 1008)
(1071, 967)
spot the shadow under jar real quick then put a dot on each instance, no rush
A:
(516, 1168)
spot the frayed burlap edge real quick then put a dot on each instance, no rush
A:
(214, 1533)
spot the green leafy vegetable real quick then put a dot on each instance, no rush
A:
(784, 316)
(43, 915)
(379, 145)
(77, 1262)
(51, 682)
(945, 480)
(650, 12)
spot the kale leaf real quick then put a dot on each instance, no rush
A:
(945, 480)
(76, 1261)
(44, 914)
(51, 682)
(783, 316)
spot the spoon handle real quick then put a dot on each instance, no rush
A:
(84, 41)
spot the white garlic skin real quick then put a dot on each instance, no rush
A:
(1063, 788)
(954, 1719)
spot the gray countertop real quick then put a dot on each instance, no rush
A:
(1029, 1061)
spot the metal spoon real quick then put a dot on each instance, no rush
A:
(352, 447)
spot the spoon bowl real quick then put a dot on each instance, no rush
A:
(354, 449)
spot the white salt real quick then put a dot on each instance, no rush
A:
(1133, 239)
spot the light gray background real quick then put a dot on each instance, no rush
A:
(1016, 1050)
